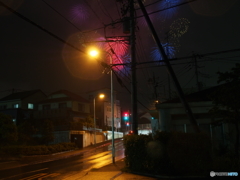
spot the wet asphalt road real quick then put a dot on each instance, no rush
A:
(68, 168)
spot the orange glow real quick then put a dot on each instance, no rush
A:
(101, 96)
(93, 53)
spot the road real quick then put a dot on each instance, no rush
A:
(73, 167)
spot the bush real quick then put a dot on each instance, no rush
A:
(135, 152)
(169, 153)
(37, 150)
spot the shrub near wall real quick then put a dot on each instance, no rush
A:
(37, 150)
(168, 153)
(136, 158)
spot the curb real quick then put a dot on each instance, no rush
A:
(167, 177)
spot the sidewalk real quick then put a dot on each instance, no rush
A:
(113, 172)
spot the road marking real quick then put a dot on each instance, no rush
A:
(40, 176)
(49, 175)
(34, 176)
(27, 172)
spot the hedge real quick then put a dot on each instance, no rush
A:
(169, 153)
(36, 150)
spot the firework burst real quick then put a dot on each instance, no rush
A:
(79, 13)
(168, 8)
(169, 50)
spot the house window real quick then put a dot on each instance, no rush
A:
(14, 121)
(30, 106)
(62, 105)
(81, 107)
(46, 107)
(16, 105)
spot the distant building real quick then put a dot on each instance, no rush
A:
(104, 110)
(144, 123)
(21, 105)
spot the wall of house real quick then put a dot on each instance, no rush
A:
(86, 107)
(10, 104)
(39, 96)
(176, 119)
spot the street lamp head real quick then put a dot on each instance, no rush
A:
(93, 53)
(101, 96)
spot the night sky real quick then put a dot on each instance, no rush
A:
(33, 59)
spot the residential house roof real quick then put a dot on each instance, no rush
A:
(203, 95)
(20, 95)
(70, 97)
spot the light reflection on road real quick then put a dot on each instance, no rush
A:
(70, 168)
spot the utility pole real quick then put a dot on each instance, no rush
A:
(170, 70)
(133, 68)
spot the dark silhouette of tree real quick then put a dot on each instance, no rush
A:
(26, 132)
(8, 130)
(47, 132)
(88, 122)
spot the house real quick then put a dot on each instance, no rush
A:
(21, 105)
(173, 117)
(144, 123)
(67, 111)
(63, 107)
(104, 110)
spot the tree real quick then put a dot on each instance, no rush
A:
(47, 132)
(88, 122)
(227, 100)
(8, 130)
(26, 132)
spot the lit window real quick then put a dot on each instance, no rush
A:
(16, 106)
(30, 106)
(14, 121)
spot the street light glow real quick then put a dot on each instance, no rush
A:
(101, 96)
(93, 53)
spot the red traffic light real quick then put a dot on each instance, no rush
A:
(126, 116)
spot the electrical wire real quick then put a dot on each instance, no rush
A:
(60, 14)
(104, 10)
(100, 20)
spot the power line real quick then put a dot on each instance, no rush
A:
(60, 14)
(104, 10)
(120, 21)
(94, 13)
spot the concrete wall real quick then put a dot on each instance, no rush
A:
(116, 135)
(88, 137)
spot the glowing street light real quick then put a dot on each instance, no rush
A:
(101, 96)
(93, 53)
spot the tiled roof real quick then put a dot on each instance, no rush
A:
(70, 97)
(203, 95)
(20, 95)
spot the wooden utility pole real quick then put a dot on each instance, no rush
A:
(133, 68)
